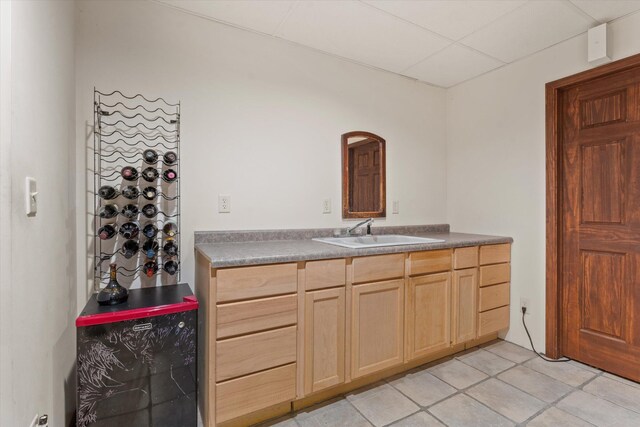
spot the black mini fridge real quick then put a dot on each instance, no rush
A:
(136, 362)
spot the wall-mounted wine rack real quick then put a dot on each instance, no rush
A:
(136, 189)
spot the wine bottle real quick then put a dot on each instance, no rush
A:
(170, 247)
(169, 175)
(150, 231)
(150, 268)
(130, 192)
(130, 248)
(171, 267)
(150, 156)
(130, 211)
(129, 230)
(108, 211)
(170, 229)
(107, 192)
(150, 193)
(107, 231)
(113, 293)
(149, 210)
(129, 173)
(170, 157)
(150, 248)
(150, 174)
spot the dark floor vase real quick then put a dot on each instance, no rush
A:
(137, 362)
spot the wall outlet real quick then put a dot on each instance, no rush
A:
(326, 206)
(524, 302)
(396, 207)
(224, 204)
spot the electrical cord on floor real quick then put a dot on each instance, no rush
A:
(542, 356)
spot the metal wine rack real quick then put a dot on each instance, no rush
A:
(124, 127)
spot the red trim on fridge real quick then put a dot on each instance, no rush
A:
(189, 303)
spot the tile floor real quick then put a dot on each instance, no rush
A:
(500, 384)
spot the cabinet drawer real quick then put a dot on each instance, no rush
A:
(493, 274)
(429, 262)
(324, 274)
(254, 392)
(493, 320)
(493, 254)
(465, 257)
(238, 318)
(255, 282)
(379, 267)
(251, 353)
(494, 296)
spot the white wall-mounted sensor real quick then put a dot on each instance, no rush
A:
(30, 197)
(598, 41)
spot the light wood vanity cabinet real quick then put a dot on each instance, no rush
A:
(279, 335)
(377, 325)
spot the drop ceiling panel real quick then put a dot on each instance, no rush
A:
(263, 16)
(359, 32)
(528, 29)
(450, 18)
(452, 65)
(605, 11)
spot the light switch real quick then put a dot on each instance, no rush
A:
(31, 197)
(396, 207)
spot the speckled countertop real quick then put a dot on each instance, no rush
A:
(233, 249)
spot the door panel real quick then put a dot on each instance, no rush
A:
(600, 261)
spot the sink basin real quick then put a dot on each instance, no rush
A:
(360, 242)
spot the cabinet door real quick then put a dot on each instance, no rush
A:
(465, 305)
(428, 314)
(377, 324)
(324, 339)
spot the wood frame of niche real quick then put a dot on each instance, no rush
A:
(346, 213)
(554, 111)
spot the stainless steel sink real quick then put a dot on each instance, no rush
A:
(360, 242)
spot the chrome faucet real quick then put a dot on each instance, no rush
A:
(366, 222)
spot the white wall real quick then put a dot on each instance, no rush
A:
(38, 299)
(261, 119)
(496, 160)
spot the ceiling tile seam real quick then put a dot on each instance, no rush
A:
(460, 45)
(492, 21)
(405, 21)
(285, 18)
(583, 12)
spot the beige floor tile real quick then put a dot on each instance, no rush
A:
(598, 411)
(487, 362)
(554, 417)
(462, 411)
(383, 404)
(421, 419)
(423, 388)
(619, 393)
(622, 380)
(510, 351)
(583, 366)
(506, 400)
(339, 413)
(536, 384)
(457, 374)
(565, 372)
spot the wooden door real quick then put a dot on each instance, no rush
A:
(464, 305)
(324, 339)
(600, 258)
(377, 325)
(428, 314)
